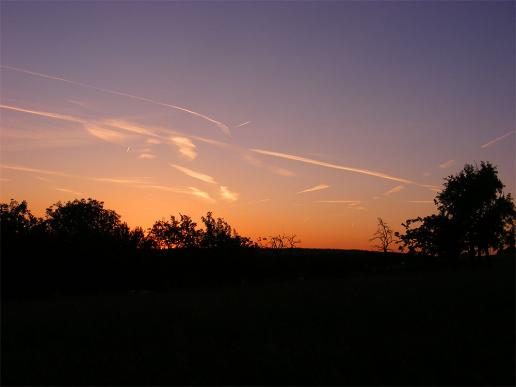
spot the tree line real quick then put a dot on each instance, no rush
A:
(86, 223)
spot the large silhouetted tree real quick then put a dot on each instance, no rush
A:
(474, 215)
(85, 222)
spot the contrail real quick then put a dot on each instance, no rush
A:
(194, 174)
(242, 124)
(334, 166)
(316, 188)
(492, 142)
(223, 127)
(43, 114)
(398, 188)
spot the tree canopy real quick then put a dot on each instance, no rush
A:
(474, 216)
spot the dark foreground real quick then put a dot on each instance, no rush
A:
(436, 327)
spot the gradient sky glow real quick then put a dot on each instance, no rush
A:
(312, 118)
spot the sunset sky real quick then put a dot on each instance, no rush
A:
(312, 118)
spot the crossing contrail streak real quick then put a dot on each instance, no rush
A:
(242, 124)
(223, 127)
(333, 166)
(42, 114)
(492, 142)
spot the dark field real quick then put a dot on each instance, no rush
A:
(440, 326)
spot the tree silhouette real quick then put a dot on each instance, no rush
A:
(176, 233)
(474, 216)
(183, 233)
(16, 219)
(18, 225)
(281, 241)
(384, 235)
(85, 222)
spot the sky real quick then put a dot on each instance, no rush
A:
(306, 118)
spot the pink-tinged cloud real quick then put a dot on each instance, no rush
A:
(200, 194)
(447, 164)
(117, 180)
(349, 202)
(21, 168)
(223, 127)
(194, 174)
(316, 188)
(260, 164)
(421, 201)
(146, 156)
(398, 188)
(227, 194)
(93, 129)
(105, 134)
(186, 147)
(130, 127)
(497, 139)
(67, 190)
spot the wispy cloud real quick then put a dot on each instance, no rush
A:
(67, 190)
(21, 168)
(223, 127)
(130, 127)
(266, 200)
(146, 156)
(153, 141)
(30, 138)
(43, 178)
(281, 171)
(243, 124)
(194, 174)
(447, 164)
(92, 128)
(105, 134)
(421, 201)
(201, 194)
(316, 188)
(350, 202)
(78, 103)
(260, 164)
(333, 166)
(497, 139)
(227, 194)
(210, 141)
(186, 147)
(398, 188)
(117, 180)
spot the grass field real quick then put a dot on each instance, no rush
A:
(439, 327)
